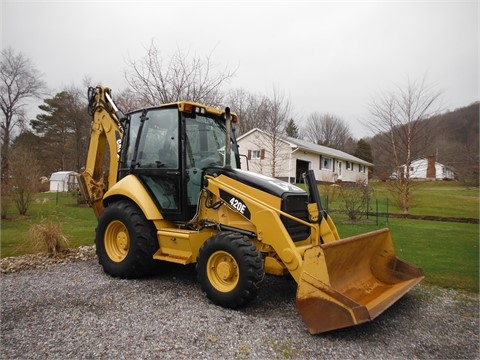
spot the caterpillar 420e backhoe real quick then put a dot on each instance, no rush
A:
(165, 184)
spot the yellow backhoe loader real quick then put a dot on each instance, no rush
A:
(165, 184)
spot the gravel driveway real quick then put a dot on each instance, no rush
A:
(74, 310)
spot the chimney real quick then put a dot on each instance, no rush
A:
(431, 174)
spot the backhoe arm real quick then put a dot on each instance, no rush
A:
(106, 132)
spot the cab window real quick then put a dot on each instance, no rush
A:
(158, 146)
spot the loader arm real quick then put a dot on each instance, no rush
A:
(106, 135)
(270, 231)
(341, 282)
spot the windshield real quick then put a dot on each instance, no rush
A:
(205, 142)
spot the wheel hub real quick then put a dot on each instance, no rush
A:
(225, 270)
(117, 241)
(122, 241)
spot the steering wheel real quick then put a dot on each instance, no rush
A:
(207, 158)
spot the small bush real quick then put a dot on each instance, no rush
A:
(356, 198)
(47, 237)
(5, 200)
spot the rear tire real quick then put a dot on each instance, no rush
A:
(125, 241)
(230, 269)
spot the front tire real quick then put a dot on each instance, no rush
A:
(125, 241)
(230, 269)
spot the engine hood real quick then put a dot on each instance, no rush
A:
(265, 183)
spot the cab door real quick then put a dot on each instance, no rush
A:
(156, 159)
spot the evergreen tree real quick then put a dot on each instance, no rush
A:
(292, 129)
(364, 151)
(57, 128)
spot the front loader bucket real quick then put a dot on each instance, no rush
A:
(352, 281)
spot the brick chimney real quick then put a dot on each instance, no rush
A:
(431, 173)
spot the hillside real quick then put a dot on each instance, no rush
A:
(453, 137)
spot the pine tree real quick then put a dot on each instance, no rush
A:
(292, 129)
(364, 151)
(58, 128)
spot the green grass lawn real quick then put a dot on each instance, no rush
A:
(447, 251)
(77, 223)
(437, 198)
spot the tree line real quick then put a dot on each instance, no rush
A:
(60, 131)
(57, 138)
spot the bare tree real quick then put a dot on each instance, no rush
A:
(328, 130)
(19, 82)
(279, 111)
(158, 79)
(251, 109)
(270, 114)
(238, 100)
(399, 116)
(127, 101)
(25, 170)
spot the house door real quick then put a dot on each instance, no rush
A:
(302, 167)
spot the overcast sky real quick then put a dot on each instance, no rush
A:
(325, 56)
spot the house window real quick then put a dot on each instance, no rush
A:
(349, 165)
(326, 163)
(256, 154)
(361, 168)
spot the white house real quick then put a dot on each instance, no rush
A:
(62, 180)
(286, 158)
(428, 169)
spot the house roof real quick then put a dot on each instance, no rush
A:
(298, 144)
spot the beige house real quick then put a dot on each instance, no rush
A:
(286, 158)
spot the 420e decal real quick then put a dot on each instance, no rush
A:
(235, 203)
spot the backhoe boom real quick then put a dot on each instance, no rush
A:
(106, 133)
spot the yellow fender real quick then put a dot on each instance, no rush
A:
(130, 187)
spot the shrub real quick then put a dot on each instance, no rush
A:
(5, 199)
(25, 170)
(47, 236)
(356, 198)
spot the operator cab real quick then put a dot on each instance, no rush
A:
(169, 147)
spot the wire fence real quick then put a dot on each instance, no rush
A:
(376, 210)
